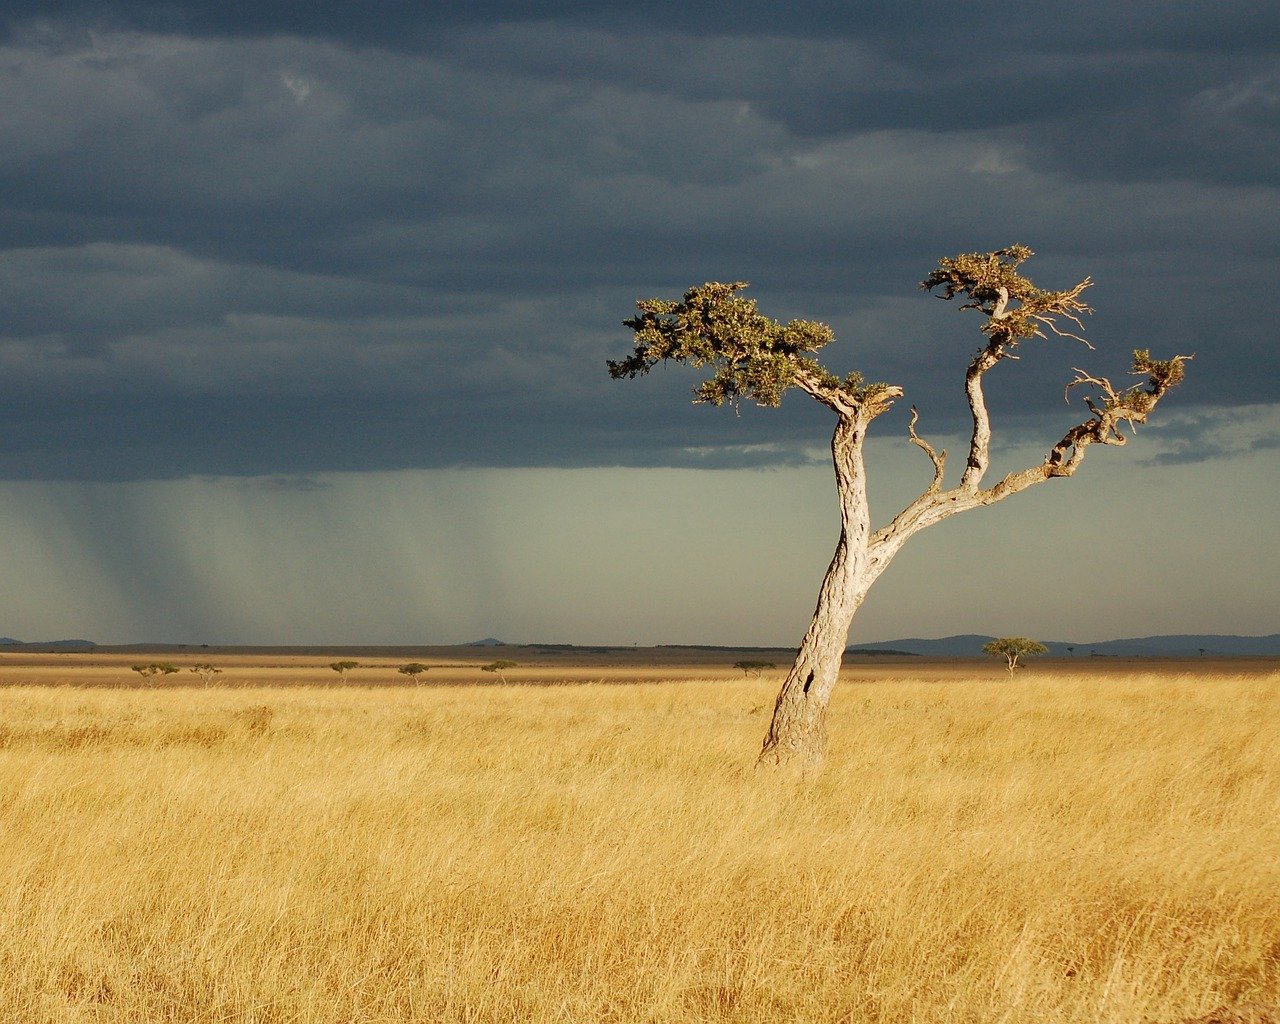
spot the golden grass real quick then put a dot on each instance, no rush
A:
(1059, 849)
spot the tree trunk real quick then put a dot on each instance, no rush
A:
(798, 732)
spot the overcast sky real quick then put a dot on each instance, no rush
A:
(304, 310)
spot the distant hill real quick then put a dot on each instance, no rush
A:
(720, 647)
(966, 645)
(45, 645)
(969, 645)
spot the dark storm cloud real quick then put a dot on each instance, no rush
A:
(283, 239)
(904, 25)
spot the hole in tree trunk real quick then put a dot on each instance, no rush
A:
(808, 682)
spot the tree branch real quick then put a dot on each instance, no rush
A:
(813, 384)
(1132, 406)
(980, 439)
(846, 397)
(1053, 326)
(992, 283)
(939, 460)
(1002, 301)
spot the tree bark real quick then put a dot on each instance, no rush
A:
(798, 732)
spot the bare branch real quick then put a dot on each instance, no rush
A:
(1053, 326)
(1131, 406)
(939, 460)
(1085, 378)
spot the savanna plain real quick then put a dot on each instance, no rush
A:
(1084, 843)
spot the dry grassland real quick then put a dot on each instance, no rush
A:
(1059, 849)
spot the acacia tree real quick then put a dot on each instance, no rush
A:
(753, 357)
(206, 672)
(413, 670)
(500, 667)
(1013, 649)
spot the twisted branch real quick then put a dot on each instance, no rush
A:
(939, 460)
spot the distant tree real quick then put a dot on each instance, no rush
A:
(499, 667)
(152, 669)
(1071, 651)
(754, 667)
(1012, 648)
(343, 667)
(750, 356)
(206, 672)
(413, 670)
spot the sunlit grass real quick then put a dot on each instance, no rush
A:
(1060, 849)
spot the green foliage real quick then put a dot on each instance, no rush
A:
(1019, 645)
(155, 668)
(754, 357)
(150, 670)
(981, 276)
(1013, 648)
(342, 667)
(754, 667)
(1164, 373)
(1015, 307)
(751, 356)
(1134, 403)
(413, 669)
(1161, 375)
